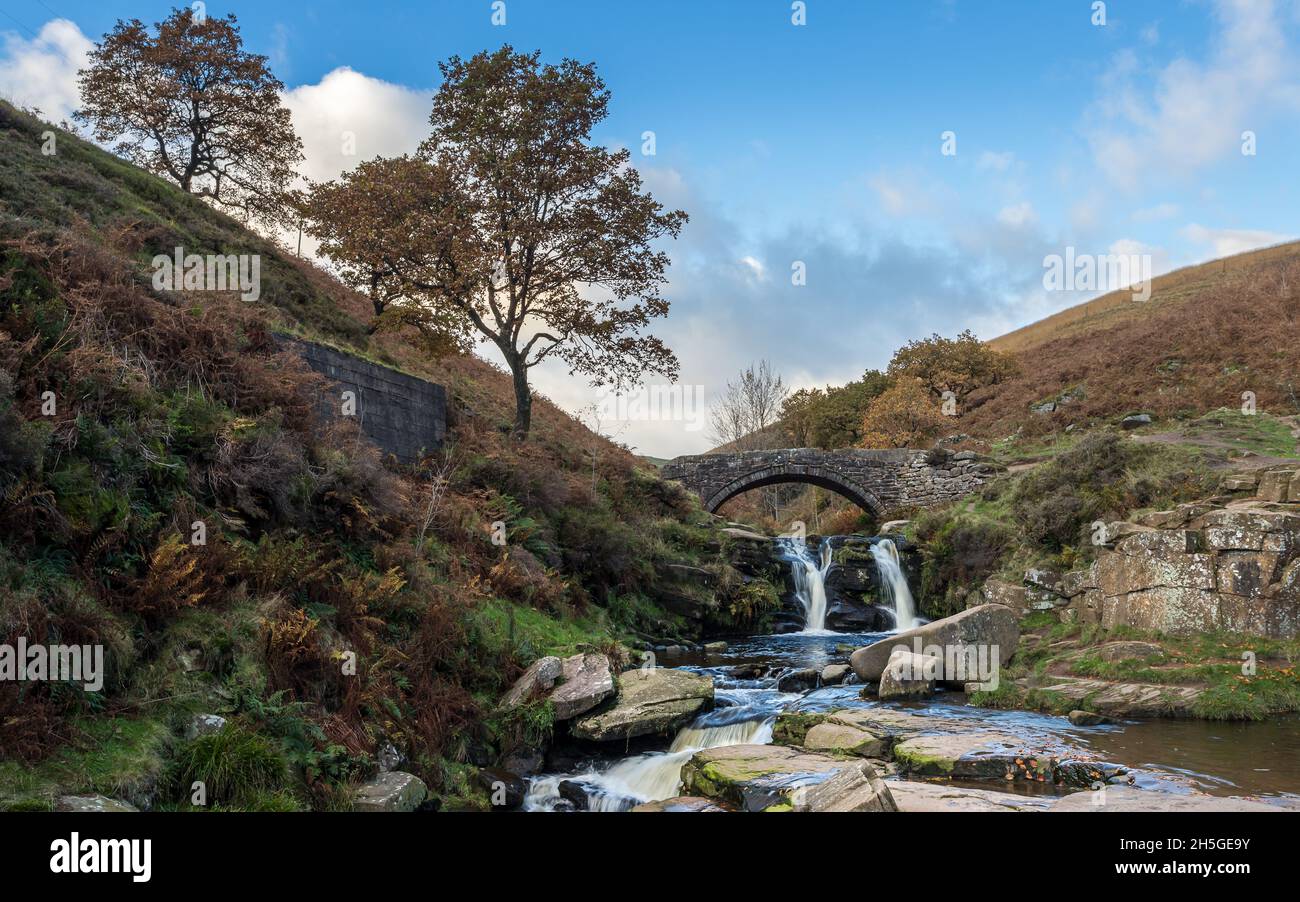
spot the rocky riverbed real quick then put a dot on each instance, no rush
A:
(835, 747)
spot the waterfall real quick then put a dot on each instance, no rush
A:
(652, 776)
(809, 579)
(893, 584)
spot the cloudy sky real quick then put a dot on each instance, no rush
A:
(920, 159)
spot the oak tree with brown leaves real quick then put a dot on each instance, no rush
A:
(902, 416)
(189, 103)
(510, 225)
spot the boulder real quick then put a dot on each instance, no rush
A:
(89, 803)
(894, 526)
(857, 787)
(1088, 718)
(778, 778)
(1275, 485)
(715, 648)
(204, 724)
(392, 791)
(575, 793)
(798, 680)
(842, 739)
(586, 682)
(996, 591)
(991, 626)
(1240, 482)
(505, 790)
(1135, 421)
(649, 701)
(908, 676)
(540, 676)
(834, 674)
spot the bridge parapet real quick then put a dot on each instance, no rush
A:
(879, 481)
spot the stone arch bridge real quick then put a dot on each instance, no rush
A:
(880, 482)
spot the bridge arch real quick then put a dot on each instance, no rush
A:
(787, 473)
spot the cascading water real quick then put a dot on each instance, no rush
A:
(809, 579)
(893, 584)
(655, 775)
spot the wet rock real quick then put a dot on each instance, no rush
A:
(992, 627)
(1124, 798)
(756, 777)
(857, 787)
(912, 795)
(682, 804)
(715, 648)
(90, 803)
(798, 680)
(908, 676)
(393, 791)
(525, 763)
(575, 793)
(653, 701)
(842, 739)
(1088, 718)
(747, 671)
(505, 790)
(586, 682)
(976, 755)
(834, 674)
(540, 676)
(203, 725)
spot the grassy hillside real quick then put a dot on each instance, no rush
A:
(177, 408)
(1207, 335)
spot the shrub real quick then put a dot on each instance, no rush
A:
(235, 764)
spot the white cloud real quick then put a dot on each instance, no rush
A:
(995, 162)
(1193, 113)
(1156, 213)
(1017, 215)
(42, 72)
(383, 119)
(1226, 242)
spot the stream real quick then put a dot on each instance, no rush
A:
(1226, 759)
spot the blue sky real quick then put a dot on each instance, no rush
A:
(822, 143)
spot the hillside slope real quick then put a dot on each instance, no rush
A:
(1207, 335)
(337, 606)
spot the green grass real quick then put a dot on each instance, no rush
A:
(1259, 433)
(119, 757)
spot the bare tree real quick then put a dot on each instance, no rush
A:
(746, 414)
(748, 409)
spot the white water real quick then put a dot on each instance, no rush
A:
(652, 776)
(809, 580)
(893, 584)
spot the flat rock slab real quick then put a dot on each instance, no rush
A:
(393, 791)
(856, 787)
(682, 804)
(983, 755)
(1128, 798)
(842, 739)
(911, 795)
(756, 777)
(587, 681)
(91, 803)
(656, 700)
(1129, 699)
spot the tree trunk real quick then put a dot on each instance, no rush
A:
(523, 400)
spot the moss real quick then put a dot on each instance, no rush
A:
(791, 728)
